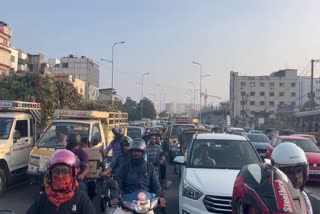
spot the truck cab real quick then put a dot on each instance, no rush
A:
(18, 134)
(94, 127)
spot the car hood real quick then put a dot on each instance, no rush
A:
(260, 145)
(212, 181)
(313, 157)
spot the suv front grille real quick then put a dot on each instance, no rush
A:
(218, 204)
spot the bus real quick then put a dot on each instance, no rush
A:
(308, 122)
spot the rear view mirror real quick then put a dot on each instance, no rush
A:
(179, 160)
(16, 135)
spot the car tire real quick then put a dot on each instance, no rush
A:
(3, 181)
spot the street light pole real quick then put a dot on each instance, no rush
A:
(197, 63)
(154, 93)
(194, 97)
(142, 92)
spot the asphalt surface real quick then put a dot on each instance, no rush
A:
(20, 196)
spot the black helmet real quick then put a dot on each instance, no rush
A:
(125, 141)
(138, 144)
(265, 188)
(73, 140)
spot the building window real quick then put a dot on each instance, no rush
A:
(271, 94)
(293, 94)
(252, 103)
(243, 93)
(12, 59)
(243, 102)
(293, 104)
(243, 84)
(281, 84)
(262, 84)
(252, 93)
(271, 84)
(252, 84)
(293, 84)
(253, 112)
(271, 103)
(281, 103)
(65, 65)
(243, 112)
(262, 94)
(281, 94)
(262, 103)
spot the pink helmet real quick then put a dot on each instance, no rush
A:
(65, 157)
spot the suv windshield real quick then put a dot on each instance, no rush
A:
(221, 154)
(258, 138)
(5, 127)
(177, 129)
(57, 133)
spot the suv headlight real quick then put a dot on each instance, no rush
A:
(34, 160)
(190, 192)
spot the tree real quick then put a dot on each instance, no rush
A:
(148, 109)
(164, 114)
(131, 107)
(307, 105)
(52, 94)
(98, 105)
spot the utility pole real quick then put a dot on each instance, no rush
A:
(311, 91)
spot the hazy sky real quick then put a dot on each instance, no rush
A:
(163, 37)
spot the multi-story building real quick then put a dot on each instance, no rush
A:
(36, 63)
(5, 38)
(109, 94)
(18, 59)
(82, 68)
(253, 97)
(79, 84)
(179, 108)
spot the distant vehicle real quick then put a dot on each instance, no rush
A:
(311, 150)
(186, 138)
(286, 132)
(255, 132)
(210, 169)
(260, 142)
(236, 131)
(309, 136)
(135, 132)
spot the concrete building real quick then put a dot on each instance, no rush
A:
(19, 60)
(253, 97)
(36, 63)
(179, 108)
(79, 84)
(5, 43)
(109, 94)
(82, 68)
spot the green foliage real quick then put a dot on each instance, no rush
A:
(148, 109)
(51, 93)
(98, 105)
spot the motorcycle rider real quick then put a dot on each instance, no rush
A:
(62, 194)
(155, 154)
(291, 159)
(118, 161)
(73, 144)
(136, 174)
(262, 189)
(115, 143)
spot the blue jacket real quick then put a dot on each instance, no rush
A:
(132, 177)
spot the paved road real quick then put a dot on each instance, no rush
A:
(21, 196)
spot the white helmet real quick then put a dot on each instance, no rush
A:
(287, 155)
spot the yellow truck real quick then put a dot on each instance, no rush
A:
(94, 127)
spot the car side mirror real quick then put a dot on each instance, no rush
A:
(179, 160)
(16, 135)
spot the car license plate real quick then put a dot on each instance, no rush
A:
(314, 172)
(43, 163)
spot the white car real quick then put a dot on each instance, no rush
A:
(210, 169)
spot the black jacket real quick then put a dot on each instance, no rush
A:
(79, 204)
(132, 177)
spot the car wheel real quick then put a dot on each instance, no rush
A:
(3, 181)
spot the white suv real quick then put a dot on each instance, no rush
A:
(211, 166)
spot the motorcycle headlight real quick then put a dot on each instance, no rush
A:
(34, 160)
(190, 192)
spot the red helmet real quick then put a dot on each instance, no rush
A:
(64, 157)
(265, 189)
